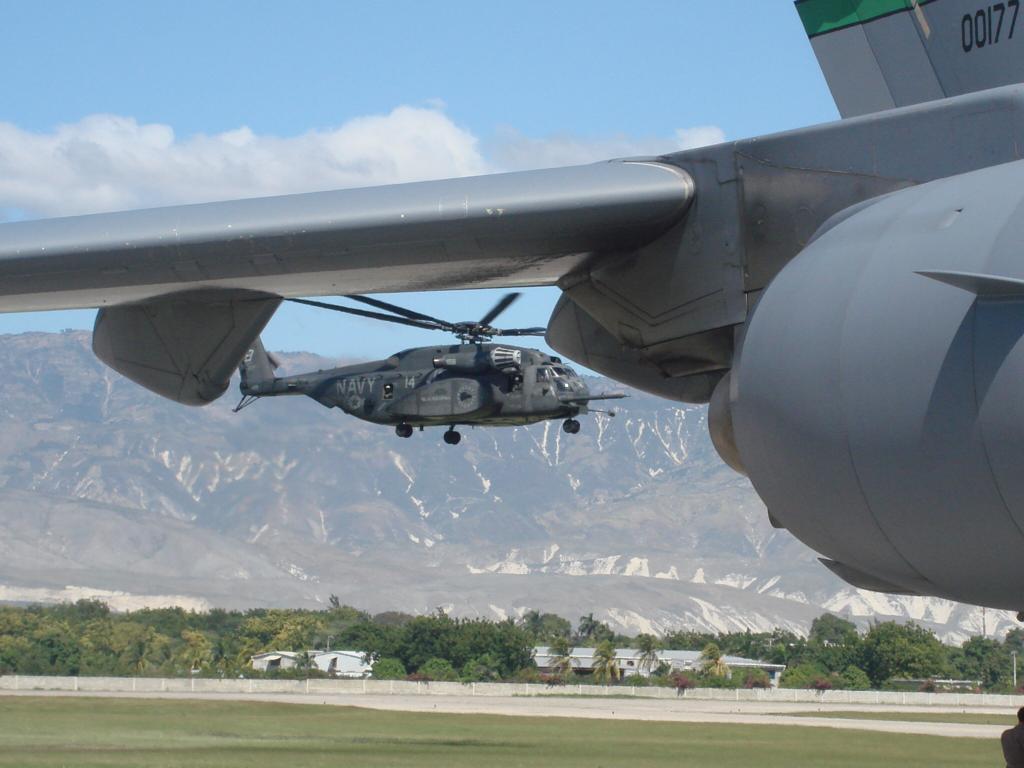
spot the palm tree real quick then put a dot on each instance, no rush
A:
(560, 653)
(606, 666)
(197, 652)
(587, 627)
(712, 663)
(648, 645)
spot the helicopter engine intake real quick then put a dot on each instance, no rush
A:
(472, 360)
(464, 361)
(505, 359)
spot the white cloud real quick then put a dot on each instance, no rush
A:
(514, 151)
(111, 162)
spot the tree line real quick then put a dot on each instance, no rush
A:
(87, 638)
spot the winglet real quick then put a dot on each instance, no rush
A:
(983, 286)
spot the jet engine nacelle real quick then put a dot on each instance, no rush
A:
(877, 403)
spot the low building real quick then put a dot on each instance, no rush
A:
(341, 663)
(335, 663)
(271, 660)
(629, 662)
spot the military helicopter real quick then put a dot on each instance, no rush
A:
(471, 383)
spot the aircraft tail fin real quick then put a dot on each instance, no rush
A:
(880, 54)
(257, 367)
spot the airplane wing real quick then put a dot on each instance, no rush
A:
(525, 228)
(184, 290)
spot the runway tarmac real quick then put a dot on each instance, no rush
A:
(660, 710)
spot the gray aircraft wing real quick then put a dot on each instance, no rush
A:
(525, 228)
(184, 290)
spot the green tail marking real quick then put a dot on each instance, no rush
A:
(823, 16)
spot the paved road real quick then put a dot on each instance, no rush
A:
(662, 710)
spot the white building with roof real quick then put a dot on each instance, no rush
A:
(341, 663)
(335, 663)
(271, 660)
(629, 662)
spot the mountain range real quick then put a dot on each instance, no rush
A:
(109, 491)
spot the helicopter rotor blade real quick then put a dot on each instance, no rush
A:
(520, 331)
(402, 316)
(430, 326)
(498, 308)
(409, 313)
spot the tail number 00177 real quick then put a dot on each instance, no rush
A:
(989, 25)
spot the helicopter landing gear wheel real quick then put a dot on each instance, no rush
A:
(404, 430)
(452, 437)
(571, 426)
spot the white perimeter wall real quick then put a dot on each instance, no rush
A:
(378, 687)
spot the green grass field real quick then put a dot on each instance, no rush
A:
(43, 731)
(971, 718)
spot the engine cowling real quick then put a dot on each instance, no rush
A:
(877, 402)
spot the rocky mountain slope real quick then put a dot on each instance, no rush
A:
(109, 490)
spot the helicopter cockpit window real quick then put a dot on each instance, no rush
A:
(389, 391)
(543, 374)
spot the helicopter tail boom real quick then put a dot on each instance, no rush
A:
(257, 368)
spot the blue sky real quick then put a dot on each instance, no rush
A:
(492, 85)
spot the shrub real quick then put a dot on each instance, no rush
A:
(528, 675)
(855, 679)
(682, 682)
(388, 669)
(550, 680)
(714, 681)
(485, 668)
(821, 684)
(756, 678)
(438, 669)
(664, 669)
(802, 676)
